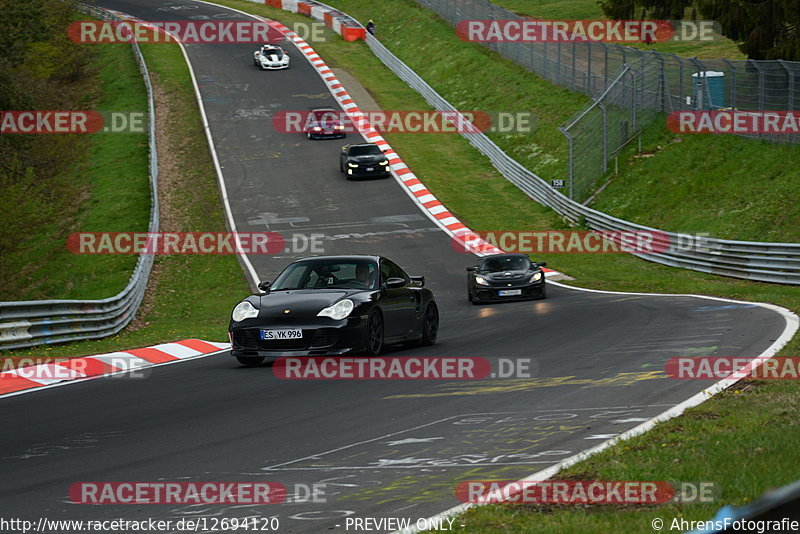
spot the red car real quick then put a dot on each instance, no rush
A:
(324, 123)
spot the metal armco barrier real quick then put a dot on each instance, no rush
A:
(30, 323)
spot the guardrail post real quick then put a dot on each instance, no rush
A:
(589, 74)
(790, 76)
(573, 64)
(761, 95)
(731, 83)
(571, 160)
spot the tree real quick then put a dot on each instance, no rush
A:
(764, 29)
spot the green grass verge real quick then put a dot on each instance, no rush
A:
(189, 296)
(719, 47)
(115, 197)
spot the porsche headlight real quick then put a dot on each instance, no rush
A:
(338, 127)
(338, 311)
(481, 280)
(385, 162)
(244, 310)
(353, 165)
(536, 276)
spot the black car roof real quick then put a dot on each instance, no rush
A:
(343, 257)
(506, 255)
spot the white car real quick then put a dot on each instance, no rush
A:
(271, 57)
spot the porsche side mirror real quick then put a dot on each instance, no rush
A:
(472, 269)
(543, 264)
(395, 282)
(264, 286)
(419, 280)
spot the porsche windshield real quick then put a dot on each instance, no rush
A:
(365, 150)
(512, 263)
(326, 118)
(327, 274)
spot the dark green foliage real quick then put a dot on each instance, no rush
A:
(764, 29)
(40, 69)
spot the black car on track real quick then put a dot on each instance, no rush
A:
(501, 277)
(328, 305)
(366, 160)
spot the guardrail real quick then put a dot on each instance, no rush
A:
(30, 323)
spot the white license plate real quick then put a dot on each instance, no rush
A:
(509, 292)
(370, 169)
(286, 333)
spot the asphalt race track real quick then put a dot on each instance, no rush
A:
(380, 448)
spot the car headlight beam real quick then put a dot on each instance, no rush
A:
(338, 311)
(352, 165)
(536, 276)
(244, 310)
(481, 280)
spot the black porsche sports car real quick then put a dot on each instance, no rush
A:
(502, 277)
(333, 305)
(363, 161)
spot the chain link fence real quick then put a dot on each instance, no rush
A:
(597, 133)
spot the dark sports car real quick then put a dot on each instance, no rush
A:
(334, 305)
(502, 277)
(366, 160)
(324, 123)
